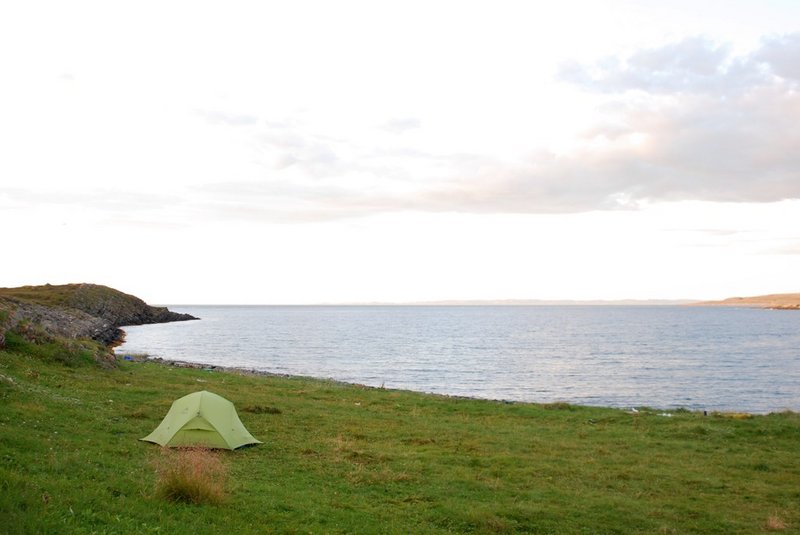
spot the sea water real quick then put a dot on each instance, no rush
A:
(700, 358)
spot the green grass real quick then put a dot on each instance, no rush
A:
(347, 459)
(80, 296)
(51, 295)
(67, 352)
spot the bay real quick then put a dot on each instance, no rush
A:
(699, 358)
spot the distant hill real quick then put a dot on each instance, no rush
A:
(78, 311)
(775, 301)
(549, 302)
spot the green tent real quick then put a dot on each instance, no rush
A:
(202, 419)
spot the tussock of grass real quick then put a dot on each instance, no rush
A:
(774, 523)
(190, 475)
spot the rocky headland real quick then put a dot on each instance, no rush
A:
(773, 301)
(76, 311)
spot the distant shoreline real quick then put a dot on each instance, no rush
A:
(456, 303)
(772, 301)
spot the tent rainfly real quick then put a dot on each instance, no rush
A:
(202, 419)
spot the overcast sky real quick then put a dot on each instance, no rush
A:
(306, 152)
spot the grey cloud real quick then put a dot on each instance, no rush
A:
(694, 65)
(696, 56)
(708, 149)
(717, 149)
(729, 150)
(284, 148)
(726, 132)
(782, 54)
(280, 143)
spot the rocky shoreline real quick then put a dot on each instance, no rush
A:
(261, 373)
(77, 311)
(201, 366)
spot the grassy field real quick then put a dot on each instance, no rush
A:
(347, 459)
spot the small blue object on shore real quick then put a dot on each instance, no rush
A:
(127, 357)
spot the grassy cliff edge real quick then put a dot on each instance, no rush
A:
(77, 311)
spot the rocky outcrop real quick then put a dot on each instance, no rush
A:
(119, 308)
(59, 322)
(77, 311)
(5, 315)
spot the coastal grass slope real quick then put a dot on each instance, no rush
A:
(348, 459)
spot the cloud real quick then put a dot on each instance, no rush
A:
(284, 148)
(690, 120)
(693, 65)
(782, 54)
(700, 123)
(704, 147)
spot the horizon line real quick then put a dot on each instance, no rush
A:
(472, 302)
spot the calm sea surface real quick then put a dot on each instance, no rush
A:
(726, 359)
